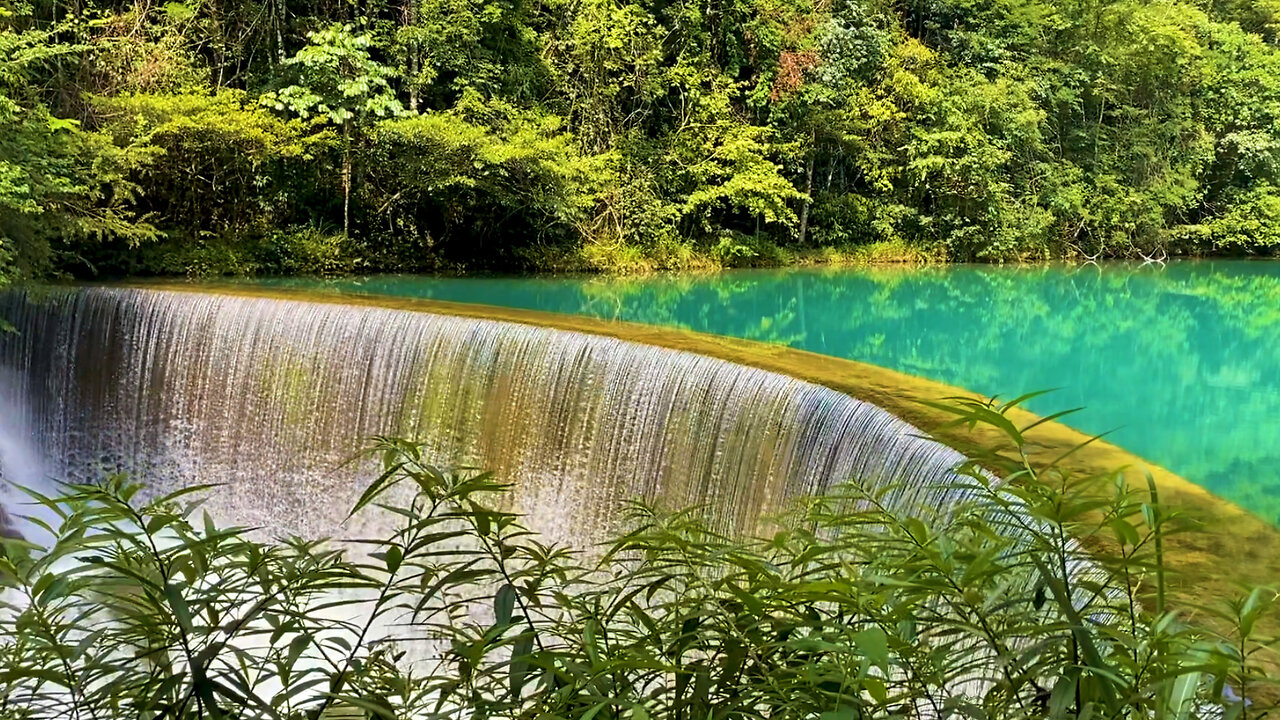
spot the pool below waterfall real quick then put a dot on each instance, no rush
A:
(1179, 364)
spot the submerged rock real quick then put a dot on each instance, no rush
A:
(9, 528)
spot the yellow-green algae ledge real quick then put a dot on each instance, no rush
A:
(1231, 547)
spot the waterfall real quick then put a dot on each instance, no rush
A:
(21, 462)
(271, 398)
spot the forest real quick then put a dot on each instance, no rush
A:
(212, 137)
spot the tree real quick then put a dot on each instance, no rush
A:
(57, 181)
(339, 81)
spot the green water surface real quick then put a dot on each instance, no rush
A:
(1180, 364)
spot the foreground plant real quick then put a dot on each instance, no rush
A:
(863, 605)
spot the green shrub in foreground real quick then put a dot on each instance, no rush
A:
(988, 610)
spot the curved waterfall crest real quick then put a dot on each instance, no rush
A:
(271, 397)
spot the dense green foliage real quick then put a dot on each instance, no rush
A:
(992, 609)
(324, 135)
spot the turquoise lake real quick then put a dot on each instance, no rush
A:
(1179, 364)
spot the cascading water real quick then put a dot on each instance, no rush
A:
(20, 459)
(269, 397)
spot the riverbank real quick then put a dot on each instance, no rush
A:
(315, 253)
(622, 259)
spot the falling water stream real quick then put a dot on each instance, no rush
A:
(272, 398)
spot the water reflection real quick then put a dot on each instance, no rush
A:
(1181, 364)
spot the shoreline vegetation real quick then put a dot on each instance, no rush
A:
(321, 137)
(624, 260)
(1231, 547)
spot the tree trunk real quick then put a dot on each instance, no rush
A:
(410, 19)
(346, 178)
(413, 77)
(808, 191)
(279, 23)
